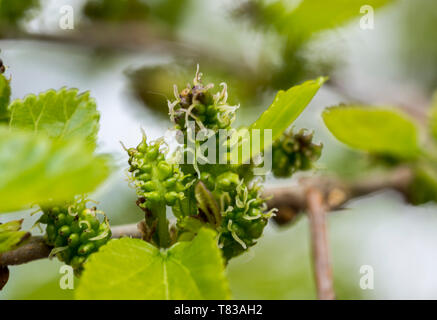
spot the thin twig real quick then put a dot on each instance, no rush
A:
(126, 230)
(36, 248)
(4, 276)
(292, 200)
(317, 215)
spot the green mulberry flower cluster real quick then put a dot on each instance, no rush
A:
(156, 180)
(244, 215)
(74, 231)
(224, 200)
(196, 103)
(293, 152)
(222, 195)
(225, 203)
(158, 183)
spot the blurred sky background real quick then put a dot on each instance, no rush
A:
(380, 230)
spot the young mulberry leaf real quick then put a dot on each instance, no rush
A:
(116, 11)
(283, 111)
(11, 236)
(423, 187)
(297, 21)
(376, 130)
(61, 114)
(433, 118)
(134, 269)
(11, 12)
(207, 204)
(39, 169)
(5, 94)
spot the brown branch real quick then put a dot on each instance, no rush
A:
(289, 200)
(126, 230)
(36, 248)
(317, 215)
(292, 200)
(4, 276)
(33, 250)
(135, 37)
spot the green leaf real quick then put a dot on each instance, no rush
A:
(375, 130)
(116, 10)
(433, 118)
(5, 94)
(11, 237)
(134, 269)
(62, 114)
(284, 110)
(11, 12)
(423, 188)
(207, 203)
(312, 16)
(33, 169)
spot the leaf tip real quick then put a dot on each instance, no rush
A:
(321, 80)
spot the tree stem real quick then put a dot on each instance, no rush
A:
(159, 211)
(320, 245)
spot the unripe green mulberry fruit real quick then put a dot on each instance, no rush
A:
(156, 180)
(293, 152)
(74, 231)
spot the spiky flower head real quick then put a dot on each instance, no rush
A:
(155, 179)
(244, 216)
(238, 212)
(75, 231)
(293, 152)
(198, 104)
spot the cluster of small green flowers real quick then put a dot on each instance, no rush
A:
(293, 152)
(221, 196)
(196, 103)
(155, 179)
(243, 211)
(244, 214)
(74, 231)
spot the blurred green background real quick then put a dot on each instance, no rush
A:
(129, 54)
